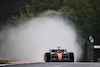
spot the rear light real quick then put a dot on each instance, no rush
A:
(91, 52)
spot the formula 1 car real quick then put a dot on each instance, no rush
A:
(59, 55)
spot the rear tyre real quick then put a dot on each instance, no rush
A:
(47, 57)
(71, 57)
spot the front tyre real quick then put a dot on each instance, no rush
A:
(71, 57)
(47, 57)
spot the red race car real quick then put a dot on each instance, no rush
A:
(59, 55)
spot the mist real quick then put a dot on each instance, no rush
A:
(30, 40)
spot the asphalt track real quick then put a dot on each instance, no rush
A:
(55, 64)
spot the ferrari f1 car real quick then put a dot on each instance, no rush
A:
(59, 55)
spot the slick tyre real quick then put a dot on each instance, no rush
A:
(71, 57)
(47, 57)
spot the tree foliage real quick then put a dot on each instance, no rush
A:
(85, 14)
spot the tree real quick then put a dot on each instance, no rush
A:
(85, 15)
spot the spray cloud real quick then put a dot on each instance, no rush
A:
(29, 41)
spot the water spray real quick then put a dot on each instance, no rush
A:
(29, 41)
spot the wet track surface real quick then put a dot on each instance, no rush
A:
(56, 64)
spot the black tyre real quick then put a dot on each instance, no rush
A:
(71, 57)
(47, 57)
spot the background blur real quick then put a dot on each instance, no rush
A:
(85, 14)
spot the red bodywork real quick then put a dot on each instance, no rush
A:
(59, 54)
